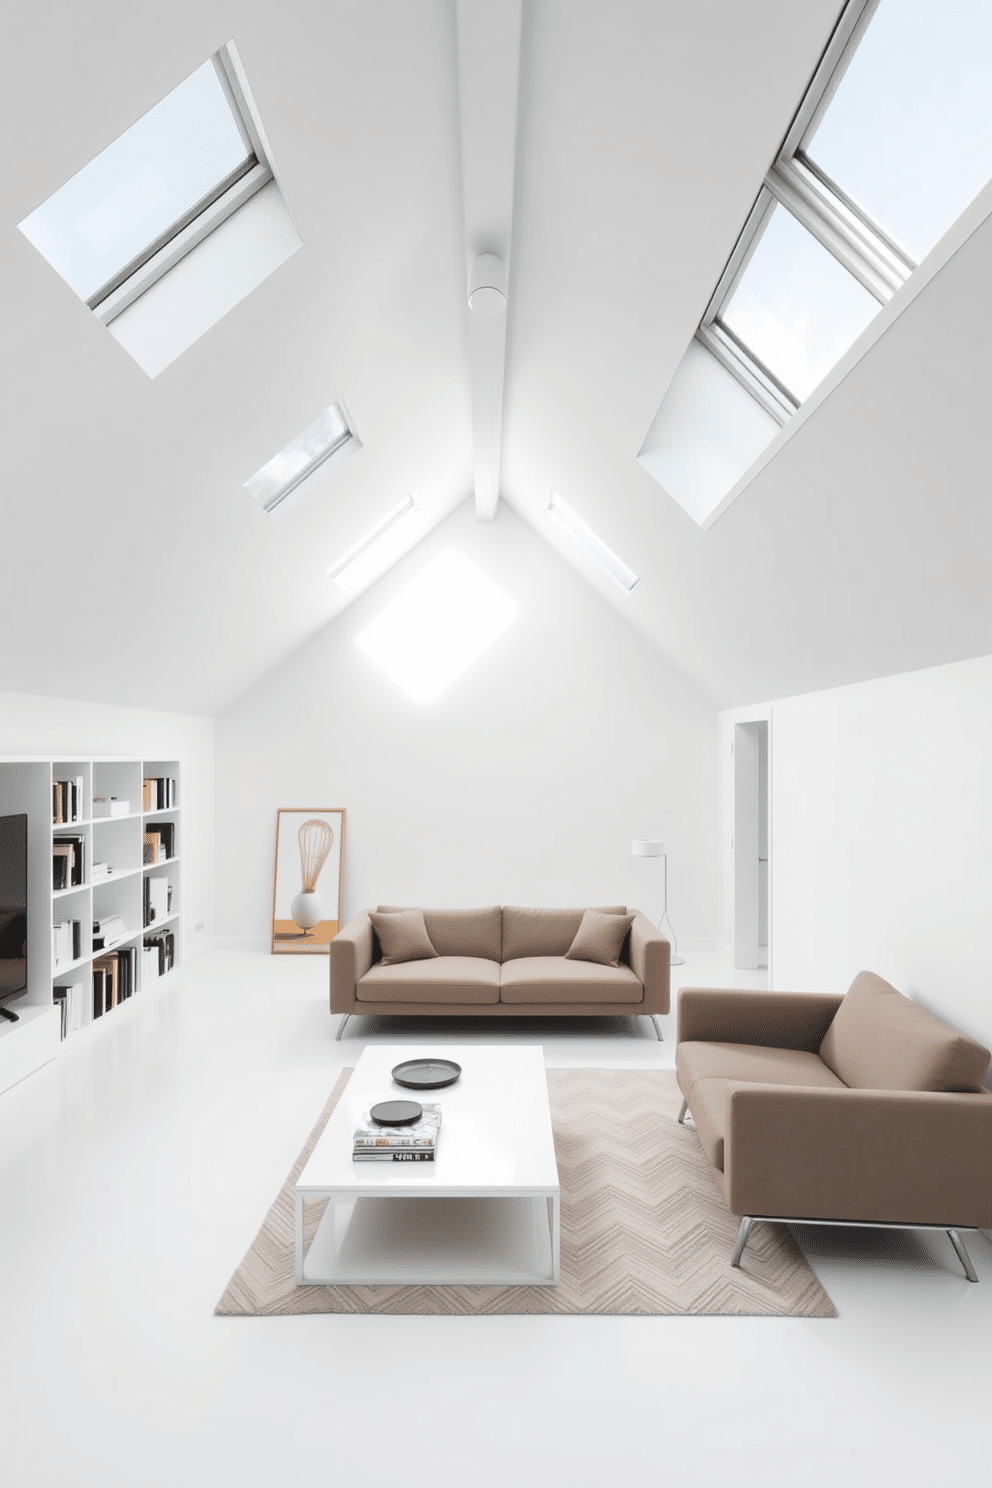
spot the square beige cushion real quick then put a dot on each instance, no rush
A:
(600, 938)
(403, 937)
(879, 1040)
(461, 932)
(552, 979)
(543, 932)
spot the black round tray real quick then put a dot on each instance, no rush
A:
(396, 1113)
(426, 1074)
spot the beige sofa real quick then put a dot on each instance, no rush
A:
(500, 961)
(864, 1109)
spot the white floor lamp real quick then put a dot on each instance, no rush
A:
(652, 848)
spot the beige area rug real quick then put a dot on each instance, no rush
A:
(644, 1228)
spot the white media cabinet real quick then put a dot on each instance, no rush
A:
(26, 785)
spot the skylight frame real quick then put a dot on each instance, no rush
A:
(220, 202)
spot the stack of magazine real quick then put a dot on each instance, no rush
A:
(414, 1143)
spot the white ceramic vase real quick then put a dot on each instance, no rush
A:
(307, 910)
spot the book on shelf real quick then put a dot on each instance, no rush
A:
(69, 998)
(61, 865)
(66, 942)
(158, 842)
(420, 1137)
(67, 800)
(110, 806)
(119, 970)
(100, 871)
(158, 899)
(77, 859)
(158, 793)
(99, 989)
(161, 946)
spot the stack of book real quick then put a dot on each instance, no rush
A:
(414, 1143)
(114, 979)
(108, 932)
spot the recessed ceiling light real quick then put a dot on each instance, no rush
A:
(329, 436)
(593, 545)
(436, 627)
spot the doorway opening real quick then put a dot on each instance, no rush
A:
(751, 844)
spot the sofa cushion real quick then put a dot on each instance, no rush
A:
(709, 1097)
(754, 1063)
(402, 937)
(461, 932)
(446, 979)
(600, 938)
(879, 1040)
(553, 979)
(543, 932)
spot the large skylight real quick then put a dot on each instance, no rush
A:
(891, 142)
(175, 221)
(144, 187)
(435, 628)
(280, 480)
(908, 134)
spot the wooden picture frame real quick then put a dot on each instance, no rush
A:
(308, 880)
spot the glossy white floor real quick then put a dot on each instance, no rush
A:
(134, 1174)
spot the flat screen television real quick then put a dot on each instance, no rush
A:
(13, 909)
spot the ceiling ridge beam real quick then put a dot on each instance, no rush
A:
(488, 38)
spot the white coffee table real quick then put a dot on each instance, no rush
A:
(486, 1211)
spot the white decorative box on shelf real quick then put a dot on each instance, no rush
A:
(102, 806)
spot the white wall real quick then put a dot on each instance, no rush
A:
(36, 725)
(524, 783)
(881, 825)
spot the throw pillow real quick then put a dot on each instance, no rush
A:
(600, 938)
(403, 937)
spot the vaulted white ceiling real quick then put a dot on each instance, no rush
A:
(135, 567)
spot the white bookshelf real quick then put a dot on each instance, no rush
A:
(118, 888)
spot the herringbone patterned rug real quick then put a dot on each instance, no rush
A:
(644, 1228)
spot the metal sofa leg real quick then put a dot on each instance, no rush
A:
(685, 1107)
(344, 1019)
(654, 1020)
(743, 1231)
(962, 1254)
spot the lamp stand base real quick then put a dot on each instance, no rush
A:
(677, 961)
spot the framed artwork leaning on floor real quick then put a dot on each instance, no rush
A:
(306, 894)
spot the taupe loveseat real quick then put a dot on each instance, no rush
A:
(864, 1109)
(500, 961)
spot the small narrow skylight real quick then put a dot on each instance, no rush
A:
(593, 545)
(280, 480)
(356, 567)
(435, 628)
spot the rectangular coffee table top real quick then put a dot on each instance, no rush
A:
(495, 1136)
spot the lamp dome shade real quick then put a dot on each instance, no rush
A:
(650, 847)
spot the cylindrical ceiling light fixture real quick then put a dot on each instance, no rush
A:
(487, 285)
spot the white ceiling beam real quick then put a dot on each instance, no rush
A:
(488, 88)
